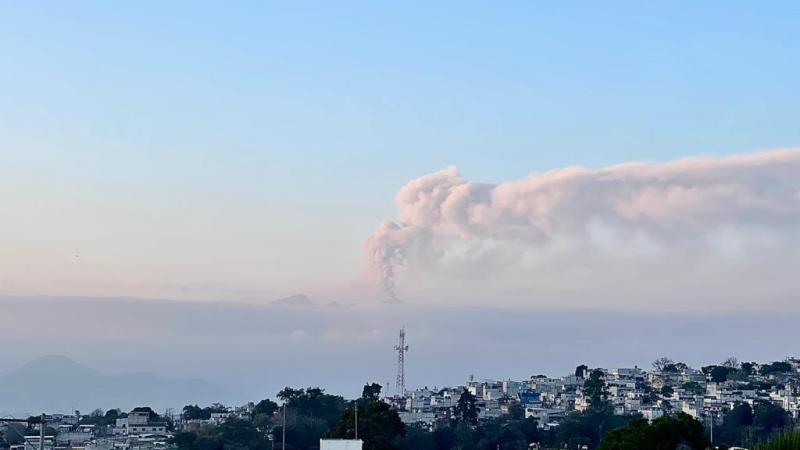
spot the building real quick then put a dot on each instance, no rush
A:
(340, 444)
(141, 421)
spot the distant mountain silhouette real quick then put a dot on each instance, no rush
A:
(294, 300)
(57, 384)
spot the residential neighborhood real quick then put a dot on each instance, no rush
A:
(708, 394)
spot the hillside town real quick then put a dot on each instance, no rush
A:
(669, 388)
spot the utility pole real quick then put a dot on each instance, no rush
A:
(712, 427)
(356, 420)
(710, 415)
(42, 426)
(283, 440)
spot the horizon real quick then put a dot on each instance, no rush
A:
(353, 346)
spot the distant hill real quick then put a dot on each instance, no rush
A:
(56, 384)
(294, 300)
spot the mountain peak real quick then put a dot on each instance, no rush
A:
(57, 383)
(294, 300)
(54, 364)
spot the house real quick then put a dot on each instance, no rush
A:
(142, 420)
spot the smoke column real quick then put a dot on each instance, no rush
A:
(677, 203)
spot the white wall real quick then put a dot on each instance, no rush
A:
(340, 444)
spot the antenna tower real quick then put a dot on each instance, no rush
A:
(401, 349)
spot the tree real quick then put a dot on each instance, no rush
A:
(194, 412)
(664, 433)
(516, 411)
(747, 367)
(694, 387)
(466, 409)
(238, 433)
(263, 414)
(785, 441)
(586, 428)
(378, 425)
(266, 407)
(667, 391)
(595, 388)
(580, 371)
(661, 363)
(232, 434)
(111, 416)
(371, 392)
(769, 417)
(417, 437)
(185, 440)
(217, 408)
(731, 363)
(735, 424)
(718, 374)
(501, 433)
(744, 424)
(775, 367)
(313, 402)
(673, 368)
(310, 414)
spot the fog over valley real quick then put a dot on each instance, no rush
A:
(250, 352)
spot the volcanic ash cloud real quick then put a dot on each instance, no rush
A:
(710, 204)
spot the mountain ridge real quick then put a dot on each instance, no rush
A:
(57, 383)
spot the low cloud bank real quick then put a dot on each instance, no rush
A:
(676, 226)
(252, 352)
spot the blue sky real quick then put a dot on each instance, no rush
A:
(266, 140)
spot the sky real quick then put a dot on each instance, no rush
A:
(638, 156)
(204, 150)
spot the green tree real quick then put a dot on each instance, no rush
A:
(378, 425)
(466, 409)
(314, 403)
(310, 413)
(194, 412)
(501, 433)
(769, 417)
(595, 389)
(185, 440)
(718, 374)
(516, 411)
(747, 367)
(694, 387)
(417, 437)
(237, 433)
(266, 407)
(581, 370)
(664, 433)
(735, 425)
(587, 428)
(775, 367)
(784, 441)
(371, 392)
(263, 414)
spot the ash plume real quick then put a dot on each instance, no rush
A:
(686, 203)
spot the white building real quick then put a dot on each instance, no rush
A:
(340, 444)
